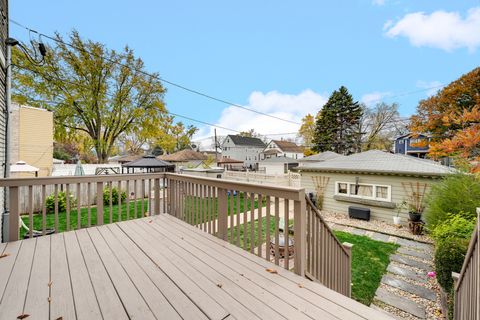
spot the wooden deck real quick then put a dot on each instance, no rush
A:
(156, 268)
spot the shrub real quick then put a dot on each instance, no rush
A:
(449, 256)
(62, 202)
(459, 193)
(456, 226)
(106, 196)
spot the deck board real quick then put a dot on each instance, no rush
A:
(156, 268)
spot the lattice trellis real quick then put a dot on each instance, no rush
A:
(320, 183)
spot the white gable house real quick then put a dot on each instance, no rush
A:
(246, 149)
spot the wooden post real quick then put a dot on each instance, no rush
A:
(300, 239)
(222, 214)
(157, 195)
(100, 203)
(348, 248)
(14, 214)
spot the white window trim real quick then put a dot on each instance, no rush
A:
(374, 191)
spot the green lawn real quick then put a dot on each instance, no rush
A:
(62, 217)
(370, 258)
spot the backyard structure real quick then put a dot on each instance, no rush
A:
(277, 165)
(137, 254)
(186, 158)
(322, 156)
(148, 164)
(373, 180)
(230, 164)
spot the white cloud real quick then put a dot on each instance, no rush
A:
(287, 106)
(373, 98)
(440, 29)
(432, 86)
(378, 2)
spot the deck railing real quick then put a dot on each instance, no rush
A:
(467, 283)
(142, 196)
(328, 260)
(276, 223)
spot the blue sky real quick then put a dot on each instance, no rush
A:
(279, 57)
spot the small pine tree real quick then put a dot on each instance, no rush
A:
(335, 128)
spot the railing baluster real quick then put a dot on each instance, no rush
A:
(267, 229)
(232, 216)
(56, 208)
(164, 183)
(299, 225)
(44, 210)
(67, 213)
(252, 222)
(100, 213)
(89, 210)
(143, 198)
(110, 214)
(259, 225)
(79, 213)
(237, 215)
(277, 232)
(245, 219)
(14, 214)
(119, 200)
(222, 213)
(286, 231)
(30, 210)
(135, 197)
(127, 200)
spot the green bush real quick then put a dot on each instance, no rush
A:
(449, 256)
(106, 196)
(456, 226)
(459, 193)
(62, 202)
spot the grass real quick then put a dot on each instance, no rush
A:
(62, 217)
(370, 259)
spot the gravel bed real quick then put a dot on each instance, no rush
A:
(374, 225)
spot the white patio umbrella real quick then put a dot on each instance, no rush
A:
(22, 166)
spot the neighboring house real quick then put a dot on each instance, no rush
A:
(31, 138)
(277, 165)
(230, 164)
(412, 145)
(186, 158)
(373, 179)
(281, 148)
(319, 157)
(246, 149)
(123, 159)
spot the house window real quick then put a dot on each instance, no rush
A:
(364, 191)
(401, 141)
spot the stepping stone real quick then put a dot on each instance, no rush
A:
(400, 303)
(407, 273)
(419, 254)
(410, 262)
(380, 237)
(358, 232)
(414, 244)
(422, 292)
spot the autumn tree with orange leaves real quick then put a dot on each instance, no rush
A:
(452, 118)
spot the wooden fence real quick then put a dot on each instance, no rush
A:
(467, 283)
(288, 180)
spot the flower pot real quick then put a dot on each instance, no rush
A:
(397, 221)
(414, 216)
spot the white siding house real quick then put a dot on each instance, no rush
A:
(245, 149)
(281, 148)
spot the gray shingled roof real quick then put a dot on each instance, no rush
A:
(324, 156)
(246, 141)
(375, 161)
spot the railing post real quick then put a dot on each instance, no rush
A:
(300, 231)
(455, 277)
(348, 248)
(14, 214)
(100, 203)
(222, 219)
(156, 187)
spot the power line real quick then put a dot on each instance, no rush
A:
(155, 76)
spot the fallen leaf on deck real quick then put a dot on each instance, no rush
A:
(271, 270)
(219, 285)
(49, 299)
(50, 283)
(4, 255)
(150, 221)
(23, 316)
(59, 318)
(300, 285)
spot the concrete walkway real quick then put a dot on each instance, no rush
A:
(404, 292)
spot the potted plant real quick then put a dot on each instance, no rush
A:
(399, 206)
(416, 204)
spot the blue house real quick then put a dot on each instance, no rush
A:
(413, 145)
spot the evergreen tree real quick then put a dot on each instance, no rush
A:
(335, 128)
